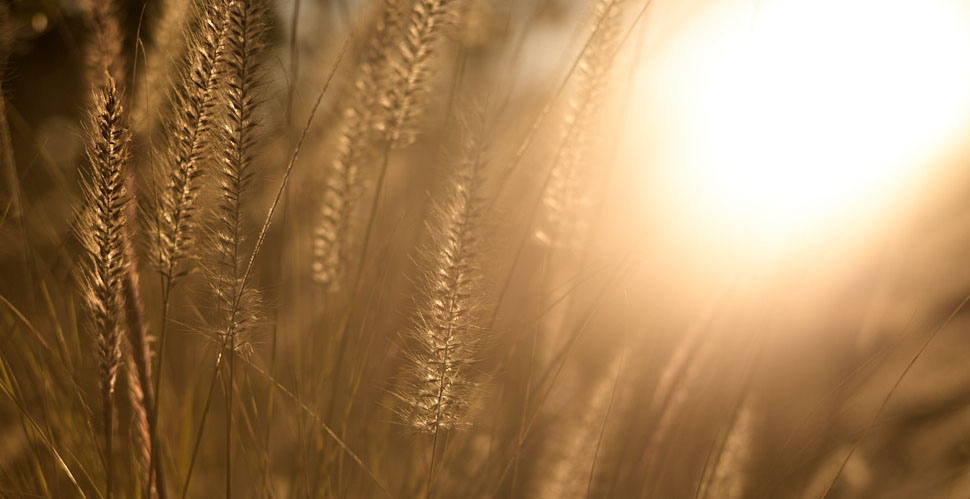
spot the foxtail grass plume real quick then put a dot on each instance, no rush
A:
(566, 201)
(234, 147)
(105, 59)
(393, 82)
(729, 476)
(412, 69)
(447, 330)
(189, 137)
(101, 232)
(568, 461)
(331, 241)
(141, 434)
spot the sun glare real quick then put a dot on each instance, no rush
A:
(790, 115)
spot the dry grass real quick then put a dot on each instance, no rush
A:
(422, 267)
(101, 232)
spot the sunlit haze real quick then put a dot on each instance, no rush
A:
(506, 249)
(783, 118)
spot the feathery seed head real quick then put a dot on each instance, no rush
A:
(411, 70)
(566, 199)
(101, 226)
(447, 330)
(189, 136)
(234, 148)
(342, 190)
(360, 120)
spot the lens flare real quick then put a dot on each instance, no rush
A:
(785, 117)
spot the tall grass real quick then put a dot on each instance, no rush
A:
(445, 283)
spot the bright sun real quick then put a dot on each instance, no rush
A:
(787, 115)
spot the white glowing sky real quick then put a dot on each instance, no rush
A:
(784, 117)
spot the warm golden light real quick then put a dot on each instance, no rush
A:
(786, 116)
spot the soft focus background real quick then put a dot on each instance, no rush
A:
(766, 301)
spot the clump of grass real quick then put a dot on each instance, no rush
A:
(101, 232)
(305, 417)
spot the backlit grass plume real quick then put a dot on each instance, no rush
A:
(412, 68)
(566, 199)
(355, 148)
(568, 461)
(101, 233)
(727, 478)
(189, 135)
(234, 147)
(447, 330)
(105, 58)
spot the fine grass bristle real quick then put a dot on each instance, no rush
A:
(101, 232)
(162, 56)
